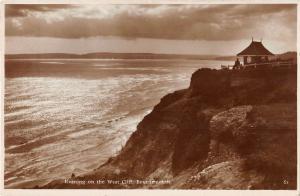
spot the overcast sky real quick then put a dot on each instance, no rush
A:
(181, 29)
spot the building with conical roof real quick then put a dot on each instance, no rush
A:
(255, 53)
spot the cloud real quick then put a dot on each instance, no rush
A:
(22, 10)
(183, 22)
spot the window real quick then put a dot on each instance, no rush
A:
(249, 59)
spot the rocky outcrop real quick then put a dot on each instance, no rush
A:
(226, 175)
(248, 149)
(228, 130)
(225, 126)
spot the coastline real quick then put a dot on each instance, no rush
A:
(34, 92)
(177, 141)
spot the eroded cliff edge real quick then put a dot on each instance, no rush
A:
(228, 130)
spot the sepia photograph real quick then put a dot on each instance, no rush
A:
(150, 96)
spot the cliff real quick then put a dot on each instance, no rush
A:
(228, 130)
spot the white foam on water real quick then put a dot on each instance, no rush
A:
(51, 62)
(81, 133)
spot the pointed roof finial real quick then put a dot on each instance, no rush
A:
(261, 39)
(252, 39)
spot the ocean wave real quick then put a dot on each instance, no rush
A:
(69, 122)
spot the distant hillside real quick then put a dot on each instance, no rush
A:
(287, 56)
(284, 56)
(106, 55)
(226, 58)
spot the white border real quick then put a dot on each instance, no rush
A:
(106, 192)
(150, 1)
(2, 46)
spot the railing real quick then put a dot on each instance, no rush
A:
(258, 64)
(272, 64)
(228, 66)
(285, 64)
(225, 66)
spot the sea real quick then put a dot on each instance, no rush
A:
(65, 116)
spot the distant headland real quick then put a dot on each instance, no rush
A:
(109, 55)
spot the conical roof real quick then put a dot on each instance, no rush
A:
(255, 48)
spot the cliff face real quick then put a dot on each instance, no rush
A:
(228, 130)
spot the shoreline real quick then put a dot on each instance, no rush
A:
(236, 79)
(158, 131)
(84, 128)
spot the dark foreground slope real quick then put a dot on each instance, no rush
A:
(228, 130)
